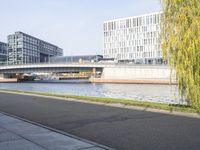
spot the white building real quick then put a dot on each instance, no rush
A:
(134, 39)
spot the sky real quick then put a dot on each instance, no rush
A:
(74, 25)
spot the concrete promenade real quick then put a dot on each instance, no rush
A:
(16, 134)
(118, 128)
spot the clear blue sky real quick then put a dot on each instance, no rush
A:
(74, 25)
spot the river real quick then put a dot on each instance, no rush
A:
(141, 92)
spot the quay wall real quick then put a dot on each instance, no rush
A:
(8, 80)
(150, 74)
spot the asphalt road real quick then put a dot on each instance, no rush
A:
(119, 128)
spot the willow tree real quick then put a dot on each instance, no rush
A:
(181, 45)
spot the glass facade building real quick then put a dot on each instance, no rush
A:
(3, 53)
(25, 49)
(134, 39)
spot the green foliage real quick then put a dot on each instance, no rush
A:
(181, 45)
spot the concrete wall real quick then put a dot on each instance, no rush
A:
(137, 72)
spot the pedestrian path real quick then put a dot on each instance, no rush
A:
(16, 134)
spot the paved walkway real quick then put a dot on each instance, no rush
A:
(118, 128)
(16, 134)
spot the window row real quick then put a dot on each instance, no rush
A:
(133, 22)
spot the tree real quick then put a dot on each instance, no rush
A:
(181, 45)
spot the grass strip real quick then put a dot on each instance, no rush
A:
(145, 104)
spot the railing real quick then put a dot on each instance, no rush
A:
(84, 63)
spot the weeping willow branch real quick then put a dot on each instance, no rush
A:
(181, 45)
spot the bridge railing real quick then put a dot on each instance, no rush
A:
(82, 63)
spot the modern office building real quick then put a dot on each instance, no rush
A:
(24, 49)
(3, 53)
(134, 39)
(76, 59)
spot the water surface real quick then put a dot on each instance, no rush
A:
(147, 92)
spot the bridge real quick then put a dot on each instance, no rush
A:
(108, 72)
(52, 67)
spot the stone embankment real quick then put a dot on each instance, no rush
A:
(125, 81)
(8, 80)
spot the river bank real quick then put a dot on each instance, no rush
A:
(128, 81)
(122, 102)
